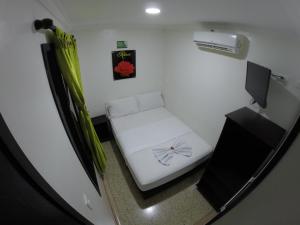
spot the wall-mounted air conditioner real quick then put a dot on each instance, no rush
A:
(225, 42)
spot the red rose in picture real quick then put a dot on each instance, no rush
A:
(124, 68)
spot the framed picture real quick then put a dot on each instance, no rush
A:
(123, 63)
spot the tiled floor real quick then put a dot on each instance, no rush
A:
(177, 204)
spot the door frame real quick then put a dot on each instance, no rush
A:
(33, 177)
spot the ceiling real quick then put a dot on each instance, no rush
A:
(283, 15)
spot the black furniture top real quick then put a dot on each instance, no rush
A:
(102, 127)
(99, 120)
(258, 126)
(246, 142)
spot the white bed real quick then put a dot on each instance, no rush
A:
(138, 133)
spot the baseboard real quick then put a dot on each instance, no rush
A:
(204, 220)
(111, 202)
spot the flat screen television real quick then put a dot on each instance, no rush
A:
(257, 83)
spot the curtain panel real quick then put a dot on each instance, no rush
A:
(67, 57)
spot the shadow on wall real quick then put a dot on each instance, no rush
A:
(283, 107)
(243, 52)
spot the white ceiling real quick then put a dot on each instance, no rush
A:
(272, 14)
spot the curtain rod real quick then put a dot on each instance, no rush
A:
(44, 24)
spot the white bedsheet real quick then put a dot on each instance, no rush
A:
(139, 133)
(140, 119)
(149, 173)
(136, 139)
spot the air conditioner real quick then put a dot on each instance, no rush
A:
(218, 41)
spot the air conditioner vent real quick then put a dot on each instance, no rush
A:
(218, 41)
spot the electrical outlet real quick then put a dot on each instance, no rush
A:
(297, 85)
(87, 202)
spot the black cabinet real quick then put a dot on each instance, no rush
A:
(246, 141)
(102, 128)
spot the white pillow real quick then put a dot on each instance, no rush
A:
(150, 100)
(122, 107)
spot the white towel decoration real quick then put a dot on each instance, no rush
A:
(165, 154)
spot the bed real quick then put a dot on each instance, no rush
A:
(143, 127)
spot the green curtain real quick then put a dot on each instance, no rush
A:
(67, 57)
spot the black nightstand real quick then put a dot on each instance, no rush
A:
(102, 127)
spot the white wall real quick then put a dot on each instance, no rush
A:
(201, 87)
(95, 46)
(276, 200)
(28, 108)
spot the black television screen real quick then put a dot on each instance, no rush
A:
(257, 83)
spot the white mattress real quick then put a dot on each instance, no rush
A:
(137, 134)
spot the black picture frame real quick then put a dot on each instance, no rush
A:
(123, 64)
